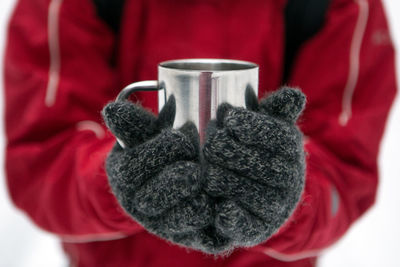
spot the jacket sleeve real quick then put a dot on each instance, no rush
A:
(347, 72)
(58, 76)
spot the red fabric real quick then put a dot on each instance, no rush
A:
(54, 162)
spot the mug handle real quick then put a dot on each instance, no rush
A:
(137, 87)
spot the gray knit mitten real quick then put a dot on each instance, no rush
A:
(254, 165)
(157, 177)
(249, 180)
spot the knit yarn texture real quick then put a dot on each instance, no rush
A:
(234, 191)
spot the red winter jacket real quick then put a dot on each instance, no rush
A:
(63, 64)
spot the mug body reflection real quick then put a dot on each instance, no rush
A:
(199, 86)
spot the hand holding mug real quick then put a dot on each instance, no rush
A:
(254, 166)
(236, 189)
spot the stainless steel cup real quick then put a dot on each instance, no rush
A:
(199, 86)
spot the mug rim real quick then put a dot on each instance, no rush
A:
(207, 65)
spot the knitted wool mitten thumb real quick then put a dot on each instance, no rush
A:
(254, 165)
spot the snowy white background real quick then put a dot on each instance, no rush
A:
(373, 241)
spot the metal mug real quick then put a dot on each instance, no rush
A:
(199, 86)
